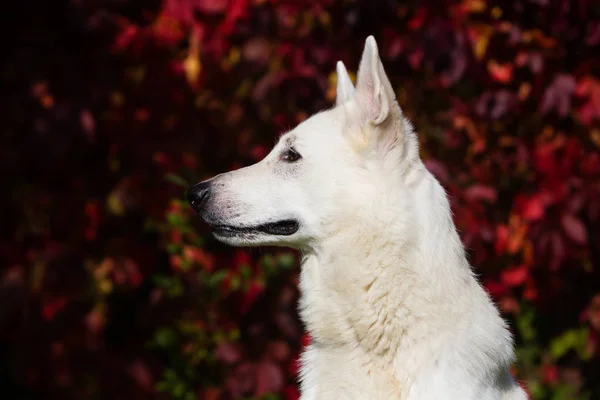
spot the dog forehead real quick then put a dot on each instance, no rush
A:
(319, 128)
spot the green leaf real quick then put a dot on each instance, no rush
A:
(165, 337)
(245, 271)
(177, 180)
(526, 327)
(173, 248)
(573, 339)
(565, 392)
(235, 283)
(234, 335)
(171, 284)
(287, 260)
(175, 219)
(216, 278)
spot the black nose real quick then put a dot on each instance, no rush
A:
(198, 195)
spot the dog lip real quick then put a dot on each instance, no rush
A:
(284, 227)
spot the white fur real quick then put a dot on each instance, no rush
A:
(388, 297)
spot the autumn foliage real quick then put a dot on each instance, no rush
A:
(111, 288)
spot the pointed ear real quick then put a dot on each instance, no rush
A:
(374, 92)
(345, 88)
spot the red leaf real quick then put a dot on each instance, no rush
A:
(574, 229)
(502, 73)
(590, 110)
(558, 250)
(417, 21)
(236, 10)
(278, 351)
(211, 394)
(305, 341)
(544, 159)
(550, 374)
(227, 353)
(593, 37)
(515, 276)
(249, 298)
(438, 169)
(502, 234)
(51, 308)
(291, 393)
(133, 273)
(269, 379)
(495, 288)
(141, 375)
(294, 367)
(125, 37)
(593, 312)
(88, 124)
(13, 276)
(257, 50)
(212, 6)
(558, 95)
(533, 209)
(481, 192)
(530, 293)
(241, 380)
(95, 321)
(242, 258)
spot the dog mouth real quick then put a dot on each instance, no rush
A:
(284, 227)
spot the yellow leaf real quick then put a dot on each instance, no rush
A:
(481, 45)
(480, 38)
(475, 6)
(192, 68)
(142, 114)
(137, 74)
(117, 99)
(524, 90)
(325, 18)
(115, 205)
(105, 286)
(47, 101)
(235, 55)
(37, 276)
(104, 268)
(192, 65)
(596, 136)
(244, 89)
(496, 12)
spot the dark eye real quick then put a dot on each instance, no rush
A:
(290, 155)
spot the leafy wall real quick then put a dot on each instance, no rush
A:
(111, 288)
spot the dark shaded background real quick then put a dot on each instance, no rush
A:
(110, 288)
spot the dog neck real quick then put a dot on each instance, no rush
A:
(370, 284)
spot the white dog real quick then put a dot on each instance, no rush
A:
(388, 297)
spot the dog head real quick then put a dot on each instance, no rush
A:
(328, 173)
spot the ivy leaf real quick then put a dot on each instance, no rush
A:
(177, 180)
(574, 229)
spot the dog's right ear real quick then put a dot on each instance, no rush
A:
(374, 91)
(345, 88)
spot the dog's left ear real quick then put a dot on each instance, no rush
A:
(374, 93)
(345, 88)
